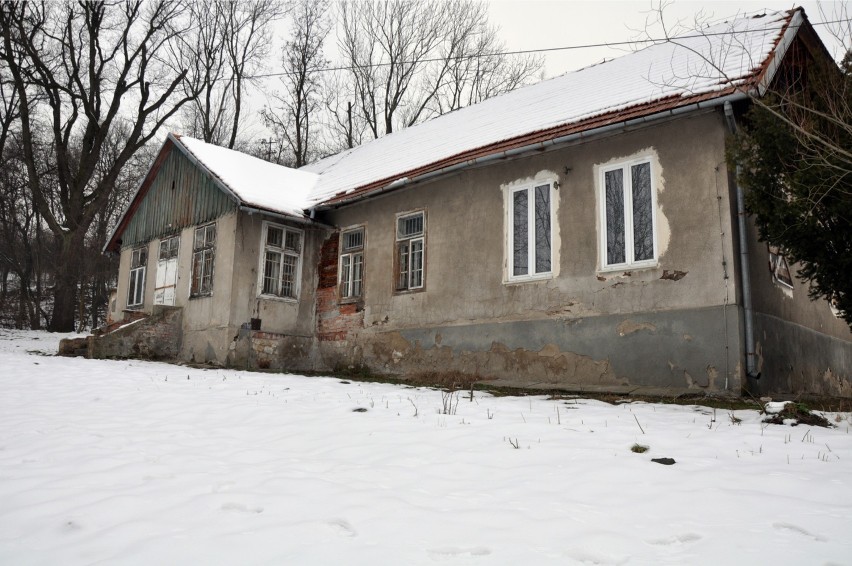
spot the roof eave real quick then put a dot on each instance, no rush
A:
(516, 147)
(771, 66)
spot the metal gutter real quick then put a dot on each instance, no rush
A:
(280, 215)
(745, 276)
(537, 146)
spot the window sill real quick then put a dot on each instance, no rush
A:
(278, 299)
(351, 300)
(629, 267)
(205, 296)
(409, 291)
(529, 278)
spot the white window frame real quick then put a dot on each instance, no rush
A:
(399, 286)
(138, 274)
(283, 251)
(203, 251)
(172, 252)
(778, 264)
(627, 187)
(348, 258)
(529, 188)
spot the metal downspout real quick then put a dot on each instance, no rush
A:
(745, 277)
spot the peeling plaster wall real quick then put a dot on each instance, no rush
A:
(211, 326)
(802, 347)
(580, 325)
(285, 338)
(277, 315)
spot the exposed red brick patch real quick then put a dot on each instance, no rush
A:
(335, 321)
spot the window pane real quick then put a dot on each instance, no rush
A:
(345, 273)
(643, 222)
(416, 264)
(614, 181)
(198, 241)
(140, 286)
(288, 276)
(402, 258)
(542, 229)
(168, 248)
(271, 269)
(210, 235)
(410, 226)
(353, 240)
(274, 236)
(293, 241)
(520, 230)
(195, 288)
(357, 274)
(207, 272)
(132, 290)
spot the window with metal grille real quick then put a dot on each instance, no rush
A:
(628, 215)
(281, 262)
(203, 254)
(351, 264)
(136, 287)
(530, 241)
(411, 251)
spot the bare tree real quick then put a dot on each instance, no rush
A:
(344, 126)
(227, 44)
(83, 68)
(294, 114)
(479, 69)
(410, 61)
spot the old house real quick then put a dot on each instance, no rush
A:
(583, 233)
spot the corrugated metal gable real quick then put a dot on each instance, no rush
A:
(180, 195)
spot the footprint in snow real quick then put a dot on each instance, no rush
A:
(341, 527)
(676, 539)
(240, 507)
(584, 557)
(453, 552)
(71, 526)
(797, 529)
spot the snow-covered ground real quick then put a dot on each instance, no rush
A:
(127, 462)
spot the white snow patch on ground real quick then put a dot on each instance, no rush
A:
(128, 462)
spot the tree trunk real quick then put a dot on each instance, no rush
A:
(67, 275)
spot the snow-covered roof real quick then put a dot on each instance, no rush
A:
(740, 55)
(706, 64)
(254, 182)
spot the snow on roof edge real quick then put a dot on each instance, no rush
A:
(756, 52)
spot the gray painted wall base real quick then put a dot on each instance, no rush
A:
(697, 349)
(795, 359)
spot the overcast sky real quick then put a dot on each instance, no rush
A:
(548, 24)
(537, 24)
